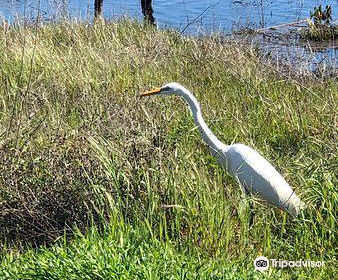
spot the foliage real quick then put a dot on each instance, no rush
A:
(320, 16)
(127, 187)
(319, 25)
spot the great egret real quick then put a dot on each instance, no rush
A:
(253, 172)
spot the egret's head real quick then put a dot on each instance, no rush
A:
(171, 88)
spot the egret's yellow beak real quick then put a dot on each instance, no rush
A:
(148, 93)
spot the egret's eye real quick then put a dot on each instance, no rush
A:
(165, 88)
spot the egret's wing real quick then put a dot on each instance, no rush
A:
(257, 175)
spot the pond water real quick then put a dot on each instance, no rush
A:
(224, 15)
(190, 16)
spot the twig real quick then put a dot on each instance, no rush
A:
(199, 16)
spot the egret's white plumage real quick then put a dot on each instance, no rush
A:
(254, 173)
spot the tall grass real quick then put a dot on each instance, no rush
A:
(127, 186)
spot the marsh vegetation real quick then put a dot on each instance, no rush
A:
(96, 184)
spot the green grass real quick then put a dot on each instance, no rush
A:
(125, 253)
(95, 183)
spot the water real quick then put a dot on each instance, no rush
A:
(188, 16)
(223, 15)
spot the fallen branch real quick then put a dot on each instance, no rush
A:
(282, 25)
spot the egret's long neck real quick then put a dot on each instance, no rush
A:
(205, 131)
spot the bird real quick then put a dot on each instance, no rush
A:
(252, 171)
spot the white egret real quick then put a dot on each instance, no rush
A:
(253, 172)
